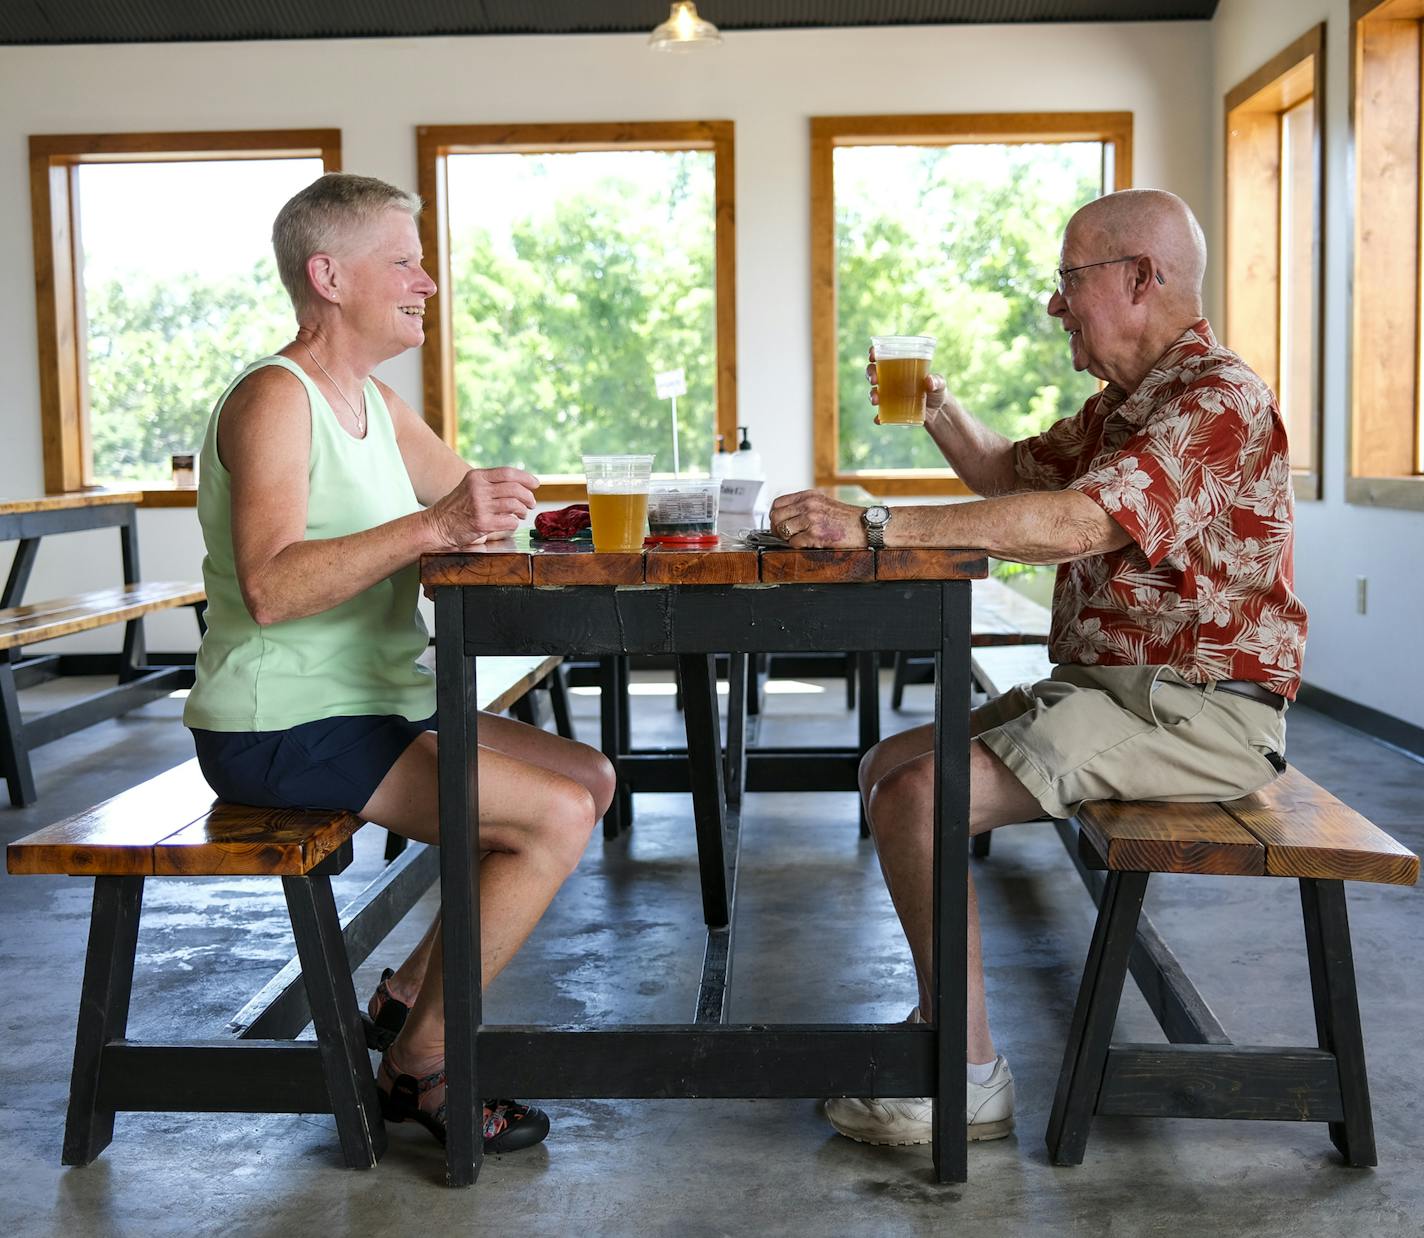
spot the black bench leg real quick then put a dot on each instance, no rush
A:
(979, 844)
(327, 974)
(395, 844)
(103, 1011)
(559, 700)
(851, 667)
(1086, 1052)
(14, 752)
(1337, 1013)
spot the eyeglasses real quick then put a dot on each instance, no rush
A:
(1061, 274)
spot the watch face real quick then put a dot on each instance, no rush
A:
(878, 515)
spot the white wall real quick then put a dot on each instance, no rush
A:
(1371, 658)
(377, 91)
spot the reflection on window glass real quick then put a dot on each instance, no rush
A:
(959, 242)
(1297, 343)
(179, 292)
(576, 278)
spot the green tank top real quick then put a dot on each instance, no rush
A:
(356, 658)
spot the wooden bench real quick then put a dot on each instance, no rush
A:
(1292, 828)
(27, 521)
(170, 826)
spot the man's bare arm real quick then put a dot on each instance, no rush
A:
(983, 458)
(1046, 527)
(1051, 527)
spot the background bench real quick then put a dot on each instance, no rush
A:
(1292, 828)
(170, 826)
(27, 521)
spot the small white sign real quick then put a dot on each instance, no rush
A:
(670, 383)
(739, 494)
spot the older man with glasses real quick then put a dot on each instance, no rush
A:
(1177, 636)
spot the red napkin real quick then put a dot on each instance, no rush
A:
(562, 525)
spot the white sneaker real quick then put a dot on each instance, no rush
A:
(895, 1123)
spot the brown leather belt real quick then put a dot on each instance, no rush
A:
(1255, 691)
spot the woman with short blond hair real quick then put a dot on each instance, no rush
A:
(320, 488)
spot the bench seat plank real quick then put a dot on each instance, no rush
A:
(42, 621)
(1307, 832)
(171, 826)
(1153, 837)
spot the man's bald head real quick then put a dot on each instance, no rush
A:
(1147, 221)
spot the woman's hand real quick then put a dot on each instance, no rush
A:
(485, 503)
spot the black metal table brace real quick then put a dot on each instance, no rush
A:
(708, 1057)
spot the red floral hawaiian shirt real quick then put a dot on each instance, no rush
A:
(1194, 466)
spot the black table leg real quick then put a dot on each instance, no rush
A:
(135, 653)
(559, 701)
(1337, 1013)
(612, 700)
(867, 669)
(103, 1011)
(951, 877)
(20, 567)
(14, 751)
(736, 773)
(459, 884)
(698, 675)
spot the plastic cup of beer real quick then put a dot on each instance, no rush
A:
(618, 500)
(902, 362)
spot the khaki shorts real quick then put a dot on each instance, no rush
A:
(1130, 733)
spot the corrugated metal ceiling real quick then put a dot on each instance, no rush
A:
(148, 21)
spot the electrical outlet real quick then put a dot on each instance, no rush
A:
(1362, 585)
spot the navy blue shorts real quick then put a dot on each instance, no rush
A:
(329, 763)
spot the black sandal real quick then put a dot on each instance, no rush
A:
(508, 1125)
(384, 1016)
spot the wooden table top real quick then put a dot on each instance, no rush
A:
(64, 502)
(522, 562)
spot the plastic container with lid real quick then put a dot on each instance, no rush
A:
(684, 512)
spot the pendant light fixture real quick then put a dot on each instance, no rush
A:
(684, 30)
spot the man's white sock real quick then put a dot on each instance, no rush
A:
(979, 1072)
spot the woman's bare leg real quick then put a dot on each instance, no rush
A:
(534, 825)
(586, 766)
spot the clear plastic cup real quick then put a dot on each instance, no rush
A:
(902, 363)
(618, 500)
(684, 511)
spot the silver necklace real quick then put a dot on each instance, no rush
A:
(361, 416)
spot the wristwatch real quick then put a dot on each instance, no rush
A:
(875, 519)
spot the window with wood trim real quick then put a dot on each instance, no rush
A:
(1274, 182)
(947, 226)
(154, 285)
(576, 262)
(1386, 456)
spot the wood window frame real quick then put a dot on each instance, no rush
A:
(1255, 231)
(55, 160)
(830, 132)
(436, 143)
(1384, 422)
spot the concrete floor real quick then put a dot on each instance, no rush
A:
(816, 941)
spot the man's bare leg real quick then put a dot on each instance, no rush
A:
(897, 780)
